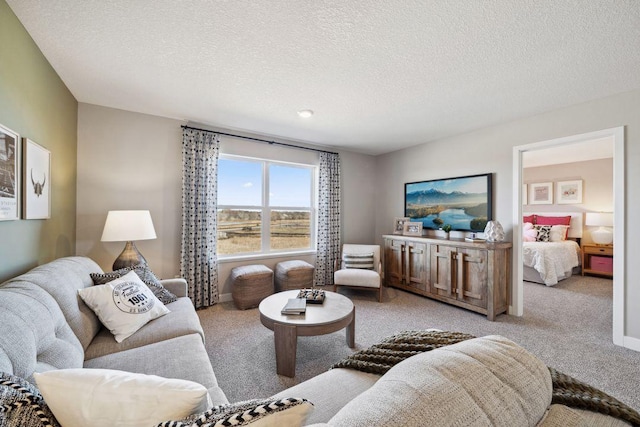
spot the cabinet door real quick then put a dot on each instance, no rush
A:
(441, 270)
(416, 265)
(471, 276)
(393, 254)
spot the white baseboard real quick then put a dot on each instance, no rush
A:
(631, 343)
(225, 298)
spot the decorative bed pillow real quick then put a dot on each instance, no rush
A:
(553, 220)
(529, 218)
(364, 261)
(543, 233)
(123, 305)
(257, 413)
(146, 275)
(558, 233)
(22, 405)
(528, 232)
(106, 398)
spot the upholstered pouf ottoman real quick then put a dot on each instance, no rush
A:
(293, 275)
(250, 284)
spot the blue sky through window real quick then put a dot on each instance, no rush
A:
(289, 186)
(240, 184)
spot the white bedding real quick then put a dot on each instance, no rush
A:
(552, 259)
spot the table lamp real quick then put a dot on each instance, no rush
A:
(601, 236)
(127, 226)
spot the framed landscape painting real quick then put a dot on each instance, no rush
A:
(464, 203)
(9, 174)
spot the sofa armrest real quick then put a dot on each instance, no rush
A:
(177, 286)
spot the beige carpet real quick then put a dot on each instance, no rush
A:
(567, 326)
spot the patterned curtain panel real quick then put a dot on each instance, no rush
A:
(328, 218)
(199, 263)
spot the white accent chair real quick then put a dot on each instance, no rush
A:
(358, 277)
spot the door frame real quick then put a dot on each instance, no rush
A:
(617, 134)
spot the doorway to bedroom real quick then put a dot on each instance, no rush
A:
(590, 167)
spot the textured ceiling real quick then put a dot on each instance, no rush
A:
(380, 75)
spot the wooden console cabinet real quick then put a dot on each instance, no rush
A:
(476, 276)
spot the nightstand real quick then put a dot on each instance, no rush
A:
(597, 259)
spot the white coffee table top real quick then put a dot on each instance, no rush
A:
(335, 308)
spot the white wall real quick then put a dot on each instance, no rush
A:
(491, 150)
(597, 187)
(134, 161)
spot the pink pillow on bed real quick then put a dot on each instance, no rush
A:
(553, 220)
(529, 234)
(528, 218)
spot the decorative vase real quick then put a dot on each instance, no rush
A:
(493, 232)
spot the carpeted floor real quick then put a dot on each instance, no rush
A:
(567, 326)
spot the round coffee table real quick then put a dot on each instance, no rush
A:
(335, 313)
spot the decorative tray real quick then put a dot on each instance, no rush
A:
(313, 296)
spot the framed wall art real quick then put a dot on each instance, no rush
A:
(541, 193)
(398, 225)
(37, 181)
(9, 174)
(412, 229)
(569, 192)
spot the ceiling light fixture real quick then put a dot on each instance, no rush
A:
(305, 114)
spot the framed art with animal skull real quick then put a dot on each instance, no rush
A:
(37, 181)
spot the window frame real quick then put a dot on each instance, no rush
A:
(266, 209)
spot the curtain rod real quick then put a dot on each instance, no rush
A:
(259, 140)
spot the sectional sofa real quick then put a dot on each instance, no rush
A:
(45, 326)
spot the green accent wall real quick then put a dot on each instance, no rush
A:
(35, 103)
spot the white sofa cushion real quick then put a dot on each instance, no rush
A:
(483, 381)
(103, 397)
(357, 277)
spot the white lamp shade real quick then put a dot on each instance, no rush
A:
(599, 219)
(126, 226)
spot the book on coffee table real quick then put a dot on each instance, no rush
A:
(295, 306)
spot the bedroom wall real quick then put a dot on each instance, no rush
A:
(491, 150)
(129, 160)
(35, 103)
(597, 187)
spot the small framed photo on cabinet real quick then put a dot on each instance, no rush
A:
(412, 229)
(398, 226)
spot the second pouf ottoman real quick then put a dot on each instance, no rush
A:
(294, 274)
(250, 284)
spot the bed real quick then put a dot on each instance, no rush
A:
(550, 262)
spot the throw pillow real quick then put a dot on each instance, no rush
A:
(22, 405)
(123, 305)
(543, 232)
(529, 218)
(106, 398)
(553, 220)
(145, 274)
(257, 413)
(558, 233)
(528, 232)
(364, 261)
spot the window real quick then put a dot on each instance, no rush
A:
(264, 207)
